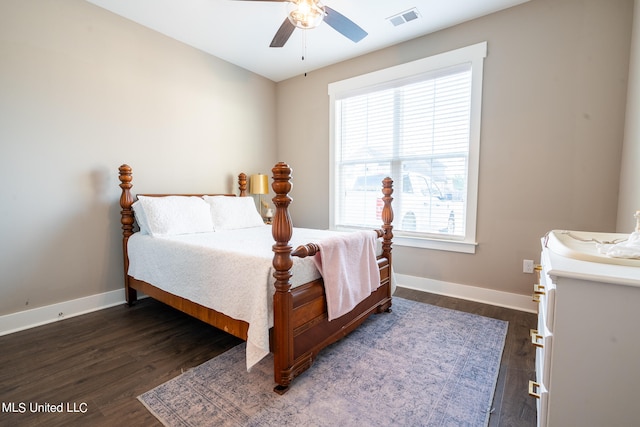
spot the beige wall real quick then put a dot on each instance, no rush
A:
(553, 113)
(83, 91)
(629, 195)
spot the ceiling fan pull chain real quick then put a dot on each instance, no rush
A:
(304, 44)
(304, 47)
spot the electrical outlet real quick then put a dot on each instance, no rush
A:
(527, 266)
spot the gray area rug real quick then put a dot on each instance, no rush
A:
(420, 365)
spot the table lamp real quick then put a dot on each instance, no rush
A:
(259, 184)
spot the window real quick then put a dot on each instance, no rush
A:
(418, 123)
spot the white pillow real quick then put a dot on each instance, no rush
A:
(141, 219)
(230, 213)
(170, 215)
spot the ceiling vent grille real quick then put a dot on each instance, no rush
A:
(404, 17)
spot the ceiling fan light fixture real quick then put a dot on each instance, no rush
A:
(305, 14)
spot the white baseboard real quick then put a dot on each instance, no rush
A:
(22, 320)
(471, 293)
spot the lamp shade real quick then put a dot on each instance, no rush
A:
(259, 184)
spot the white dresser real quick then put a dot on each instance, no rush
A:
(587, 343)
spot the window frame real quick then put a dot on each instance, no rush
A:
(473, 54)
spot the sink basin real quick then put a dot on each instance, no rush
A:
(583, 246)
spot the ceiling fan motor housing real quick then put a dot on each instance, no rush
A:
(305, 14)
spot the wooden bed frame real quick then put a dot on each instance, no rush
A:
(301, 327)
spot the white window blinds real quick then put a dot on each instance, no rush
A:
(418, 131)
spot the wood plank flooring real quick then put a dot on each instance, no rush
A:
(97, 364)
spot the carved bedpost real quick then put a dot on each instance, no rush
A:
(387, 217)
(242, 184)
(127, 220)
(282, 230)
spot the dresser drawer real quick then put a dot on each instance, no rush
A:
(541, 394)
(543, 341)
(548, 298)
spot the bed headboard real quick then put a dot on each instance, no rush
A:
(127, 199)
(127, 217)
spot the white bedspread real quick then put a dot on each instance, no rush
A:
(205, 268)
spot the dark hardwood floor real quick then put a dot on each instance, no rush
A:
(98, 363)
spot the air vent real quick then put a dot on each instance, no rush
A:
(404, 17)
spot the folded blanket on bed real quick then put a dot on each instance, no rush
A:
(349, 267)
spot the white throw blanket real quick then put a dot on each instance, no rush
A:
(350, 270)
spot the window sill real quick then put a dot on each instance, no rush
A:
(424, 242)
(441, 245)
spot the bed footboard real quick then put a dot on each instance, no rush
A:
(301, 326)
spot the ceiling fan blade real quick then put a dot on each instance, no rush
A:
(283, 34)
(344, 25)
(285, 30)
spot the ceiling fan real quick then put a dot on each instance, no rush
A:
(308, 14)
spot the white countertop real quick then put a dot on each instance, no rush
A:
(558, 265)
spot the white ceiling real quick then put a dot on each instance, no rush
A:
(240, 31)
